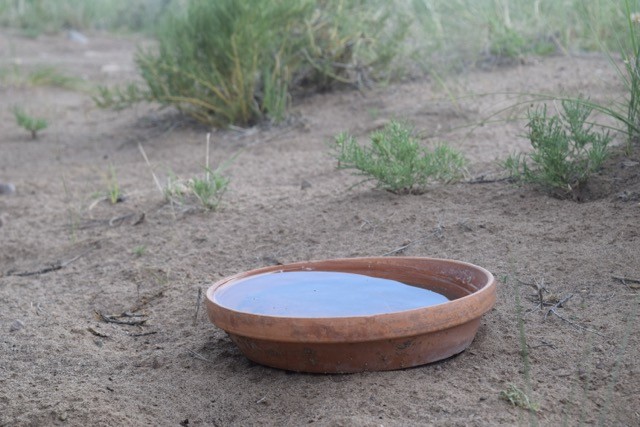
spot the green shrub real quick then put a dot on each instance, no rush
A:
(237, 62)
(511, 29)
(566, 150)
(631, 78)
(397, 162)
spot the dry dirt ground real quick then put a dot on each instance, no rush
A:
(65, 255)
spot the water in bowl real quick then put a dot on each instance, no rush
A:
(322, 294)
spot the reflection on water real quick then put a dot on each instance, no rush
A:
(322, 294)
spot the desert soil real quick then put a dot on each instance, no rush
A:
(67, 254)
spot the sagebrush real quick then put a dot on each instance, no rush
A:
(239, 62)
(566, 151)
(396, 161)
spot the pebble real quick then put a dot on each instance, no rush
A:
(16, 325)
(78, 37)
(7, 188)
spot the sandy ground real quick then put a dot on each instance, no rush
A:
(62, 365)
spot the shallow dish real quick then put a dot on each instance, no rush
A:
(375, 342)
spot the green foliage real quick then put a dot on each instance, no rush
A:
(32, 124)
(50, 76)
(519, 398)
(35, 17)
(397, 162)
(566, 150)
(504, 41)
(120, 98)
(139, 250)
(210, 189)
(114, 195)
(459, 33)
(627, 110)
(238, 62)
(631, 77)
(39, 76)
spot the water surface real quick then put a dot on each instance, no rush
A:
(322, 294)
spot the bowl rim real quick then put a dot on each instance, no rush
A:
(360, 328)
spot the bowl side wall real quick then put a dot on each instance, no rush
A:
(382, 355)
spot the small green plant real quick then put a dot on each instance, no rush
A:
(397, 162)
(114, 195)
(29, 123)
(139, 250)
(519, 398)
(566, 150)
(175, 187)
(210, 189)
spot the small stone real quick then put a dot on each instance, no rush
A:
(16, 325)
(63, 416)
(305, 184)
(7, 188)
(76, 36)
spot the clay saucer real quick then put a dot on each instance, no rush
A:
(376, 342)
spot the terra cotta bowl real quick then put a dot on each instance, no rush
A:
(377, 342)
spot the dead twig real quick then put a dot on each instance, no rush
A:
(558, 304)
(199, 356)
(144, 334)
(482, 180)
(130, 314)
(544, 344)
(96, 333)
(114, 319)
(119, 219)
(155, 178)
(624, 281)
(53, 267)
(145, 300)
(540, 288)
(198, 302)
(436, 232)
(584, 328)
(401, 248)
